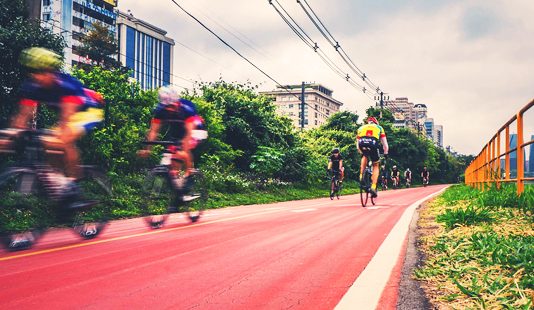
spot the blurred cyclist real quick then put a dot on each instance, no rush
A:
(369, 136)
(79, 109)
(181, 120)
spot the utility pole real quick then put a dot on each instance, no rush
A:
(382, 97)
(303, 102)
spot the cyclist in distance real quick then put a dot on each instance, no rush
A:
(408, 177)
(425, 175)
(335, 165)
(369, 136)
(79, 109)
(395, 176)
(180, 119)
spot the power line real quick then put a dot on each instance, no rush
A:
(239, 54)
(299, 31)
(71, 33)
(330, 38)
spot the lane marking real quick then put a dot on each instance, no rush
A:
(365, 292)
(303, 210)
(377, 207)
(148, 233)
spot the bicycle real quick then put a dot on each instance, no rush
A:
(384, 183)
(164, 198)
(394, 183)
(365, 184)
(425, 181)
(33, 194)
(408, 182)
(335, 185)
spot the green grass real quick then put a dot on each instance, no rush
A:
(481, 253)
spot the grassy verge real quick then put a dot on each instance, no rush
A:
(479, 249)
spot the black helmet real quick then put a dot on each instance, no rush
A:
(335, 151)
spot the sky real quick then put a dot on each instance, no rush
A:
(471, 61)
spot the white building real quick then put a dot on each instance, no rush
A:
(146, 50)
(72, 19)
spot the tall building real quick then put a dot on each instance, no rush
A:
(401, 105)
(319, 103)
(420, 112)
(146, 50)
(429, 128)
(438, 135)
(72, 19)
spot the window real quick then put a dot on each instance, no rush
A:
(316, 123)
(46, 3)
(291, 106)
(46, 17)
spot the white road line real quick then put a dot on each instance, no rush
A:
(366, 291)
(304, 210)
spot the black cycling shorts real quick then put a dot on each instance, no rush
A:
(369, 147)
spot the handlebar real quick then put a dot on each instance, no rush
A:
(164, 143)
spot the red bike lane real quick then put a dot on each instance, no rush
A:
(299, 254)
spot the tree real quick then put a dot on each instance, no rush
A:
(345, 121)
(17, 33)
(100, 46)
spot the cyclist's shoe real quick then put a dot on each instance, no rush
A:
(331, 195)
(192, 197)
(373, 193)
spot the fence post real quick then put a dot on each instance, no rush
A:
(507, 157)
(499, 174)
(520, 157)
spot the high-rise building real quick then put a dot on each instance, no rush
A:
(438, 135)
(319, 103)
(429, 128)
(146, 50)
(401, 105)
(72, 19)
(420, 112)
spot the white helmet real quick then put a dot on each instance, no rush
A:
(168, 94)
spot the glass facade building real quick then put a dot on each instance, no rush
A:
(146, 50)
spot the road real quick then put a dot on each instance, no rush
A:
(298, 255)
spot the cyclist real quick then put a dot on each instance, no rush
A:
(408, 177)
(425, 175)
(79, 109)
(181, 119)
(395, 176)
(335, 165)
(369, 136)
(384, 178)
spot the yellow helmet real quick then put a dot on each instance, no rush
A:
(38, 58)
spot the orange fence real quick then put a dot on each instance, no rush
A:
(486, 168)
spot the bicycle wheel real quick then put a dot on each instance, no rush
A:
(364, 190)
(25, 212)
(91, 216)
(159, 197)
(196, 201)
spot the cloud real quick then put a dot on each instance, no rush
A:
(469, 61)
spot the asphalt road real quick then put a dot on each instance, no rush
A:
(298, 255)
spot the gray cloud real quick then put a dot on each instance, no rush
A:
(473, 71)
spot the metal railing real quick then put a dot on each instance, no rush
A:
(486, 169)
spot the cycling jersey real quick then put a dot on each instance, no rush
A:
(66, 89)
(175, 117)
(371, 131)
(425, 173)
(408, 174)
(336, 162)
(394, 173)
